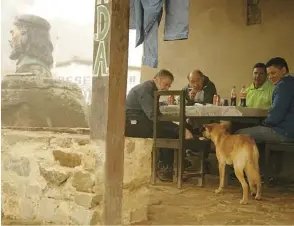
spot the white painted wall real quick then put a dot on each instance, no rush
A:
(76, 73)
(82, 74)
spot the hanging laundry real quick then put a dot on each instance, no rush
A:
(145, 17)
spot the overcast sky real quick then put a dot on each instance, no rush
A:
(76, 11)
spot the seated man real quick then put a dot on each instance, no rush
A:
(259, 93)
(139, 117)
(200, 89)
(279, 124)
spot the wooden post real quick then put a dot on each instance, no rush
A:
(108, 98)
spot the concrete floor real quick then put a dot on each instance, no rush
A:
(195, 205)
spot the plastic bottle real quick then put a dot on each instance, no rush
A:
(243, 97)
(233, 96)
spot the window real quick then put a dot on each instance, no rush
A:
(135, 61)
(132, 79)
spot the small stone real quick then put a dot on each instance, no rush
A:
(54, 176)
(83, 181)
(19, 165)
(89, 162)
(9, 188)
(154, 202)
(139, 215)
(35, 189)
(82, 141)
(67, 159)
(129, 146)
(27, 209)
(61, 214)
(96, 218)
(47, 209)
(80, 215)
(10, 206)
(87, 200)
(62, 142)
(60, 193)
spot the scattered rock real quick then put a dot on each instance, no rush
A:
(154, 202)
(82, 141)
(54, 176)
(89, 162)
(10, 205)
(62, 213)
(139, 159)
(139, 215)
(129, 146)
(83, 181)
(46, 210)
(60, 193)
(62, 142)
(81, 216)
(35, 189)
(88, 200)
(96, 218)
(9, 188)
(67, 159)
(19, 165)
(28, 210)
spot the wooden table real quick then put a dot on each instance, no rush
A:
(180, 113)
(216, 113)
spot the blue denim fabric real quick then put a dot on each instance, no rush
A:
(146, 16)
(150, 47)
(264, 134)
(176, 20)
(132, 19)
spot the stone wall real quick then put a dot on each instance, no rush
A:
(57, 177)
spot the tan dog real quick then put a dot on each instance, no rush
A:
(239, 150)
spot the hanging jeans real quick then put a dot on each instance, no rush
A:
(145, 17)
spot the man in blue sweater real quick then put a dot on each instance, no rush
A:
(279, 124)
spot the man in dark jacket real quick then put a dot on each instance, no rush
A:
(200, 89)
(139, 117)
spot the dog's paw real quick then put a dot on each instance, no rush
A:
(219, 190)
(253, 193)
(258, 197)
(243, 202)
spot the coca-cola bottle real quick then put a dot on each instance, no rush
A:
(233, 96)
(243, 97)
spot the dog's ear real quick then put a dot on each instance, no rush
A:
(207, 127)
(226, 125)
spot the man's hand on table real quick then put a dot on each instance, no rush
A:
(188, 134)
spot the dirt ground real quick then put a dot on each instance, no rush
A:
(194, 205)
